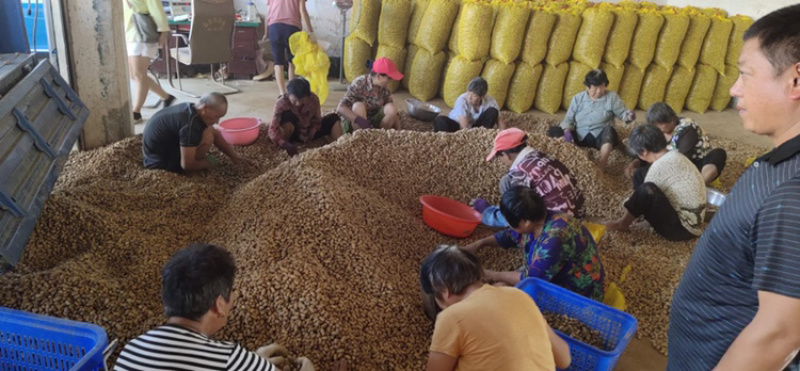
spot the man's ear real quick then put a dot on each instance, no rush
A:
(795, 90)
(217, 309)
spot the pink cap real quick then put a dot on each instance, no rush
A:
(506, 139)
(386, 66)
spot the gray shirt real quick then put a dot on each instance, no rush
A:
(463, 108)
(587, 116)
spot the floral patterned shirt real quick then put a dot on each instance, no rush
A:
(362, 90)
(565, 254)
(689, 139)
(308, 115)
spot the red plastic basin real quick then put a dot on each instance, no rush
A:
(449, 216)
(240, 131)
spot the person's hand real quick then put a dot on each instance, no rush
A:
(630, 117)
(480, 205)
(275, 354)
(312, 38)
(473, 247)
(162, 40)
(304, 364)
(568, 136)
(212, 160)
(489, 276)
(290, 148)
(631, 169)
(362, 122)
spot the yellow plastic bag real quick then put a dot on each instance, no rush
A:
(562, 40)
(695, 34)
(534, 46)
(614, 297)
(511, 21)
(356, 53)
(715, 45)
(654, 85)
(364, 21)
(426, 71)
(398, 56)
(620, 36)
(311, 62)
(596, 230)
(522, 89)
(672, 34)
(678, 87)
(474, 40)
(393, 24)
(631, 85)
(436, 24)
(614, 75)
(498, 76)
(591, 42)
(410, 54)
(740, 24)
(702, 90)
(551, 88)
(457, 77)
(645, 38)
(418, 9)
(574, 84)
(722, 95)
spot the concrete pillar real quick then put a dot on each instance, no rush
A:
(98, 61)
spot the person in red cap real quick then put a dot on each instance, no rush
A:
(547, 176)
(368, 102)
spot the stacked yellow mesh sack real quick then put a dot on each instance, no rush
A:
(574, 83)
(363, 33)
(715, 45)
(593, 34)
(631, 85)
(392, 30)
(614, 75)
(702, 90)
(740, 24)
(523, 87)
(621, 34)
(673, 32)
(721, 97)
(356, 53)
(695, 34)
(550, 91)
(472, 44)
(550, 88)
(654, 85)
(525, 81)
(534, 44)
(645, 38)
(678, 87)
(510, 22)
(431, 38)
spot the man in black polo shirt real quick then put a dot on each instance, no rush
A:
(737, 306)
(178, 138)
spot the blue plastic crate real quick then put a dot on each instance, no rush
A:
(34, 342)
(615, 326)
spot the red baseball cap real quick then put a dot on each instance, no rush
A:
(506, 139)
(386, 66)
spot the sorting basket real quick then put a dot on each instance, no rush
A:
(35, 342)
(616, 327)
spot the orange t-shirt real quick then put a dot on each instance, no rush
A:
(494, 328)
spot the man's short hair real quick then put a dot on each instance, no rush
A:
(478, 86)
(522, 203)
(779, 35)
(194, 278)
(646, 137)
(299, 87)
(451, 268)
(596, 77)
(213, 100)
(661, 113)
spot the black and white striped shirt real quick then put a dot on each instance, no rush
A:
(172, 347)
(751, 245)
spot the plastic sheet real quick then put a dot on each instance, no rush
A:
(702, 90)
(654, 85)
(434, 30)
(512, 19)
(364, 21)
(393, 23)
(645, 38)
(551, 88)
(678, 87)
(474, 39)
(562, 40)
(695, 34)
(426, 71)
(498, 76)
(631, 85)
(522, 90)
(673, 32)
(722, 96)
(458, 75)
(534, 45)
(574, 83)
(356, 53)
(715, 45)
(591, 41)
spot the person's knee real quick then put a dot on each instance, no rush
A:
(288, 129)
(649, 188)
(360, 109)
(440, 124)
(389, 110)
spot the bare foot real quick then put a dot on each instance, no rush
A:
(642, 225)
(616, 226)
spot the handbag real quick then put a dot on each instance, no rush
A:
(146, 27)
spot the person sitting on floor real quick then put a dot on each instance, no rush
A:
(528, 167)
(296, 118)
(482, 327)
(368, 102)
(557, 247)
(687, 137)
(673, 196)
(589, 121)
(473, 109)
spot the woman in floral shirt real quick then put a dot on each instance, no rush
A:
(557, 246)
(368, 102)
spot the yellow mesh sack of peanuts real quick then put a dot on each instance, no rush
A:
(740, 24)
(498, 76)
(356, 53)
(393, 23)
(522, 89)
(551, 88)
(398, 56)
(593, 34)
(631, 85)
(418, 9)
(364, 21)
(702, 90)
(534, 45)
(452, 43)
(474, 40)
(678, 87)
(645, 38)
(426, 70)
(410, 54)
(654, 85)
(673, 32)
(620, 35)
(614, 75)
(722, 95)
(512, 19)
(715, 45)
(695, 34)
(574, 83)
(451, 55)
(565, 31)
(434, 30)
(457, 76)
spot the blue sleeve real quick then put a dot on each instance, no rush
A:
(569, 118)
(507, 238)
(458, 110)
(617, 106)
(777, 251)
(545, 258)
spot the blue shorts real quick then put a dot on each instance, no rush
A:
(279, 34)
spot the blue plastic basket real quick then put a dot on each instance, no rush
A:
(615, 326)
(34, 342)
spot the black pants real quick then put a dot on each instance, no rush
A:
(717, 157)
(650, 201)
(487, 119)
(608, 135)
(287, 117)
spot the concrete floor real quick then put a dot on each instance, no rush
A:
(258, 98)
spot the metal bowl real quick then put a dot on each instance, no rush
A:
(715, 197)
(421, 110)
